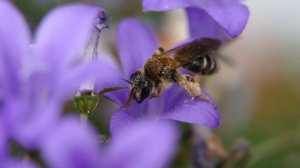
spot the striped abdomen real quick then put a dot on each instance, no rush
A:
(205, 65)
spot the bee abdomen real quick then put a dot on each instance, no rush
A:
(205, 65)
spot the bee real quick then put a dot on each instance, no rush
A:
(162, 69)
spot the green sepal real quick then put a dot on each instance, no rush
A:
(86, 104)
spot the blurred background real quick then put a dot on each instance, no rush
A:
(259, 95)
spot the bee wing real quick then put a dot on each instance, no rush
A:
(192, 50)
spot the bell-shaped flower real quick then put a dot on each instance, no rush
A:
(136, 44)
(38, 74)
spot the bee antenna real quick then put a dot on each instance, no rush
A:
(111, 89)
(126, 80)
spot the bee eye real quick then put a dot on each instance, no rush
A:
(147, 87)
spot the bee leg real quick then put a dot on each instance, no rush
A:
(157, 94)
(189, 84)
(128, 102)
(205, 98)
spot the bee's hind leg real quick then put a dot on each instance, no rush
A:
(192, 87)
(128, 102)
(205, 98)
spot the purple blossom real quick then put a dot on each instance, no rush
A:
(35, 81)
(136, 44)
(209, 18)
(73, 145)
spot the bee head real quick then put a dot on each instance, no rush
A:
(140, 87)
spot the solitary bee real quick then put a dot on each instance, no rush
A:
(196, 56)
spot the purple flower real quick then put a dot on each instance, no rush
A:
(35, 81)
(209, 18)
(136, 44)
(144, 144)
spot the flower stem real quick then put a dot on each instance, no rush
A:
(84, 118)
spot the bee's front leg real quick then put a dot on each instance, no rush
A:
(128, 102)
(158, 91)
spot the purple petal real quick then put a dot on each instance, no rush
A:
(29, 127)
(162, 5)
(3, 143)
(174, 104)
(18, 163)
(64, 33)
(143, 144)
(173, 96)
(119, 96)
(14, 46)
(203, 25)
(125, 116)
(136, 44)
(229, 14)
(119, 120)
(83, 73)
(195, 112)
(71, 144)
(109, 75)
(180, 106)
(37, 125)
